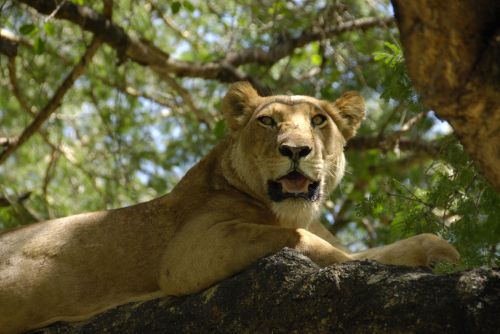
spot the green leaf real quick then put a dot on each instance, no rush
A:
(393, 47)
(27, 29)
(188, 5)
(49, 28)
(176, 7)
(316, 59)
(398, 225)
(380, 55)
(39, 46)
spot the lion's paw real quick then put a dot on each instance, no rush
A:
(436, 250)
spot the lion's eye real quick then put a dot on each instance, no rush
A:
(267, 121)
(318, 120)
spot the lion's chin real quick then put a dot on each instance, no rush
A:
(293, 185)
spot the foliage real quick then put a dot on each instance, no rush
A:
(453, 200)
(124, 134)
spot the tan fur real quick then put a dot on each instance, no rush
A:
(217, 220)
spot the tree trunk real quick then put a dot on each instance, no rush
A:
(288, 293)
(452, 51)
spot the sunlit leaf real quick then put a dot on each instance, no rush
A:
(316, 59)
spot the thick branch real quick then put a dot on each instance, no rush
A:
(6, 202)
(286, 46)
(288, 293)
(54, 102)
(146, 53)
(8, 47)
(388, 143)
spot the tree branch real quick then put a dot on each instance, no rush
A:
(121, 87)
(286, 46)
(388, 143)
(354, 297)
(459, 80)
(146, 53)
(8, 47)
(66, 151)
(15, 87)
(6, 202)
(185, 35)
(6, 141)
(54, 102)
(186, 97)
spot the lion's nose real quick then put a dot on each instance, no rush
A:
(294, 152)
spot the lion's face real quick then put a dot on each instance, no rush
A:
(289, 149)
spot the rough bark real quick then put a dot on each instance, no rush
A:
(452, 51)
(288, 293)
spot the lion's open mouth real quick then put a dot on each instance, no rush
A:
(293, 185)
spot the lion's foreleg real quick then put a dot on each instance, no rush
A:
(198, 258)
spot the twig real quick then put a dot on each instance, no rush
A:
(129, 90)
(15, 86)
(6, 202)
(185, 35)
(340, 220)
(405, 127)
(146, 53)
(186, 97)
(20, 40)
(394, 139)
(63, 149)
(6, 34)
(6, 141)
(47, 178)
(66, 151)
(412, 199)
(372, 235)
(412, 121)
(54, 12)
(397, 110)
(54, 102)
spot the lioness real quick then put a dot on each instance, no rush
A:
(259, 190)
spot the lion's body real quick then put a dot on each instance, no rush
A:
(240, 203)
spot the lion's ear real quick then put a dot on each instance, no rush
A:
(351, 107)
(238, 104)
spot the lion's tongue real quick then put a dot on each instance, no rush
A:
(294, 183)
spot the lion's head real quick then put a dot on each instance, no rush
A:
(288, 150)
